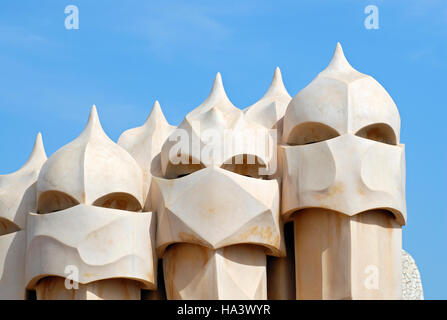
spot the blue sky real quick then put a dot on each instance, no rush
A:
(127, 54)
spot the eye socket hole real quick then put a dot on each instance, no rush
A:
(7, 226)
(120, 201)
(380, 132)
(311, 132)
(245, 164)
(175, 171)
(52, 201)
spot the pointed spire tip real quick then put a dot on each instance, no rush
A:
(339, 50)
(156, 107)
(156, 115)
(38, 142)
(218, 83)
(93, 121)
(38, 154)
(277, 74)
(339, 62)
(277, 85)
(218, 87)
(93, 114)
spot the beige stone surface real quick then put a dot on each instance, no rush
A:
(272, 106)
(53, 288)
(144, 142)
(193, 209)
(89, 198)
(341, 100)
(376, 247)
(220, 207)
(102, 243)
(18, 190)
(235, 272)
(269, 112)
(17, 198)
(344, 186)
(349, 258)
(12, 266)
(93, 170)
(281, 270)
(215, 206)
(345, 174)
(160, 293)
(216, 132)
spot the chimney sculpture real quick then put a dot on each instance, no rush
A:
(217, 216)
(269, 112)
(88, 222)
(17, 198)
(344, 186)
(215, 199)
(270, 109)
(144, 144)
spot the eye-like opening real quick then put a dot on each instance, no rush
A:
(245, 164)
(174, 171)
(311, 132)
(52, 201)
(380, 132)
(7, 226)
(120, 201)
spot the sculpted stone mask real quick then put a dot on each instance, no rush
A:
(89, 196)
(341, 100)
(92, 170)
(214, 185)
(345, 174)
(216, 209)
(17, 198)
(341, 133)
(18, 191)
(217, 133)
(108, 243)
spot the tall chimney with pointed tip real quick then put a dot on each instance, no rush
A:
(344, 186)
